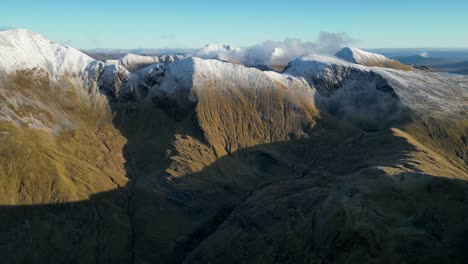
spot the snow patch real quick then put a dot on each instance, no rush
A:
(360, 56)
(23, 49)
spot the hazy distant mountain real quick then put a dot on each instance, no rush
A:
(449, 53)
(424, 60)
(437, 64)
(352, 158)
(457, 68)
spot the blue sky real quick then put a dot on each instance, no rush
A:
(190, 24)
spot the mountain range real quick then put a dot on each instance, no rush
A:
(209, 158)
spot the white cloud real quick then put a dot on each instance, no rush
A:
(278, 52)
(424, 54)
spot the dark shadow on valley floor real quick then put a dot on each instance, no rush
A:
(317, 209)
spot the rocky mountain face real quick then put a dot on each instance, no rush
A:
(188, 160)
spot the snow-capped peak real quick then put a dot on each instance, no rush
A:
(359, 56)
(22, 49)
(213, 47)
(370, 59)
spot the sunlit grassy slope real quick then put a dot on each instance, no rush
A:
(56, 144)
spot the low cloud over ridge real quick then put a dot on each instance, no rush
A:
(277, 52)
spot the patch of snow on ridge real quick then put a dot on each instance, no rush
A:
(23, 49)
(370, 59)
(359, 56)
(437, 93)
(186, 78)
(134, 62)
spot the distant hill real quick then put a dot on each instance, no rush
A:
(441, 64)
(422, 60)
(457, 68)
(449, 53)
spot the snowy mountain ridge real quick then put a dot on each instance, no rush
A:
(349, 72)
(370, 59)
(23, 49)
(359, 56)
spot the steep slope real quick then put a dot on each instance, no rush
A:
(415, 89)
(234, 103)
(44, 84)
(58, 148)
(377, 98)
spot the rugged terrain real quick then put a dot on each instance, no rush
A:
(338, 159)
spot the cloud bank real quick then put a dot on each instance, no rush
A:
(274, 53)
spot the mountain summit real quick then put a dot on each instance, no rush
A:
(366, 58)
